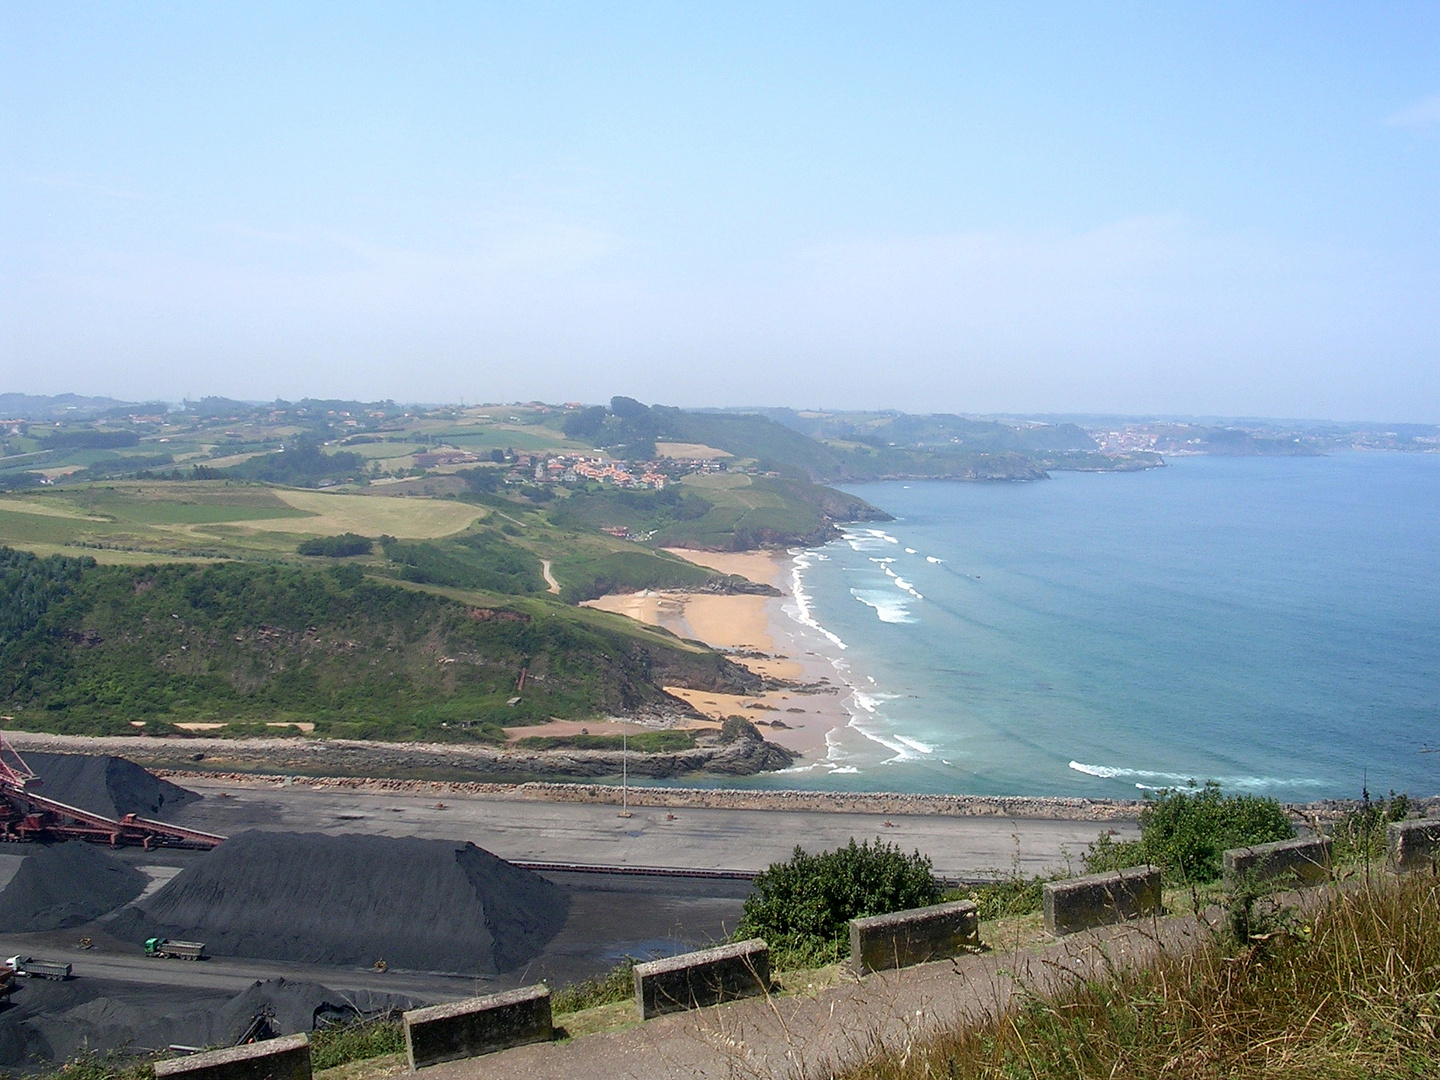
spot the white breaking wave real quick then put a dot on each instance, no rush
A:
(901, 583)
(889, 608)
(1112, 772)
(915, 744)
(803, 614)
(903, 748)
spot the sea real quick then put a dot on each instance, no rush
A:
(1272, 624)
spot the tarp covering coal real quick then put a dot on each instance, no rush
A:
(352, 900)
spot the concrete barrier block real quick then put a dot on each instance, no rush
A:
(286, 1058)
(1099, 899)
(475, 1026)
(708, 977)
(1296, 862)
(910, 937)
(1412, 846)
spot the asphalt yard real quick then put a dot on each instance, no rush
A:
(530, 830)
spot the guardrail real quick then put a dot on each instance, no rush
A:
(1299, 862)
(708, 977)
(475, 1026)
(1079, 903)
(286, 1058)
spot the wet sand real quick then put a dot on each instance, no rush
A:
(748, 624)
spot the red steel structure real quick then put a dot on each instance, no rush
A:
(25, 814)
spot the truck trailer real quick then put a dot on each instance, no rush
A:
(38, 969)
(175, 950)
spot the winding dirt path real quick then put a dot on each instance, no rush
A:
(549, 577)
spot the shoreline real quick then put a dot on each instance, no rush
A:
(802, 692)
(168, 758)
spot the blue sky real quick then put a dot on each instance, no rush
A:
(1217, 209)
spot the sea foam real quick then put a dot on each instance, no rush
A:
(1113, 772)
(889, 608)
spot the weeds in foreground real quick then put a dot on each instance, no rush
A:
(111, 1066)
(1004, 899)
(617, 984)
(1353, 992)
(1360, 836)
(343, 1043)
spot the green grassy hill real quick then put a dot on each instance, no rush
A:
(90, 649)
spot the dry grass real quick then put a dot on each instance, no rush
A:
(418, 519)
(1353, 992)
(376, 1068)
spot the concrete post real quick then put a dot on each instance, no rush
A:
(475, 1026)
(910, 937)
(1099, 899)
(708, 977)
(1412, 846)
(286, 1058)
(1295, 862)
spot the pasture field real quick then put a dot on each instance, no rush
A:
(687, 451)
(154, 521)
(406, 519)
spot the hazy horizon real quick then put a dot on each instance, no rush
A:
(1196, 212)
(1080, 418)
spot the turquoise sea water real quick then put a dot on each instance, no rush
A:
(1270, 623)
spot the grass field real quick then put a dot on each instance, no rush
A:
(418, 519)
(213, 518)
(687, 451)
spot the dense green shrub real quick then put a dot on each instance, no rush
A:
(337, 547)
(1011, 896)
(482, 560)
(86, 649)
(1186, 833)
(303, 464)
(29, 585)
(586, 578)
(804, 905)
(342, 1043)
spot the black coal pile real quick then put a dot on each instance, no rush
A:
(54, 1022)
(426, 905)
(64, 885)
(289, 1007)
(109, 786)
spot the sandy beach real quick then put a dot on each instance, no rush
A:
(795, 718)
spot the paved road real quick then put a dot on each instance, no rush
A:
(225, 975)
(531, 830)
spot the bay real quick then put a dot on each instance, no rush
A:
(1271, 623)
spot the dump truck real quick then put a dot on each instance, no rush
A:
(38, 969)
(175, 950)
